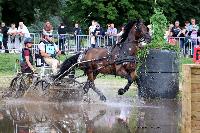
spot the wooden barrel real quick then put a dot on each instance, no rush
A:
(158, 77)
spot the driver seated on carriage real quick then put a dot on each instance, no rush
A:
(48, 51)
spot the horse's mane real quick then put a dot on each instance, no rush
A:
(127, 29)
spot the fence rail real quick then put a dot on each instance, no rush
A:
(71, 43)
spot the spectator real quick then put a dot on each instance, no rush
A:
(182, 36)
(4, 30)
(168, 34)
(48, 28)
(12, 33)
(150, 29)
(62, 30)
(187, 24)
(49, 51)
(22, 33)
(1, 40)
(120, 34)
(77, 31)
(91, 30)
(112, 33)
(193, 30)
(98, 33)
(176, 29)
(198, 35)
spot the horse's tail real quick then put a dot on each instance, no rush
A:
(66, 65)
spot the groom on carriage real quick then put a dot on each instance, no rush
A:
(48, 50)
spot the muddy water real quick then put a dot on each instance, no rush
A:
(120, 114)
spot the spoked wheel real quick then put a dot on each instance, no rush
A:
(42, 88)
(23, 85)
(18, 86)
(11, 92)
(68, 89)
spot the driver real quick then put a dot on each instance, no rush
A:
(49, 51)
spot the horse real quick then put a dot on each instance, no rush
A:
(119, 61)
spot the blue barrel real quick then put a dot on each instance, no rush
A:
(158, 77)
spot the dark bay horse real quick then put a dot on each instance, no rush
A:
(120, 60)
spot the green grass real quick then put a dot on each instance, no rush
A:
(8, 64)
(184, 60)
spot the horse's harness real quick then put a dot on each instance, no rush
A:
(121, 59)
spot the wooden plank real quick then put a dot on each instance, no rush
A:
(195, 116)
(195, 71)
(196, 125)
(195, 97)
(195, 106)
(195, 87)
(195, 79)
(195, 131)
(186, 99)
(193, 66)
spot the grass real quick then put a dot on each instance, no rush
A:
(8, 64)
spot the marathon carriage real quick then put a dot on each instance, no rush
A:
(44, 84)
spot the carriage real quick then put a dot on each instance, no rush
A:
(42, 84)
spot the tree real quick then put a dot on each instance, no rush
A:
(120, 11)
(27, 10)
(104, 11)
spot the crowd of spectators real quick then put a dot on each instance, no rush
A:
(11, 39)
(186, 36)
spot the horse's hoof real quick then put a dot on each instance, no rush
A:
(86, 90)
(121, 91)
(103, 98)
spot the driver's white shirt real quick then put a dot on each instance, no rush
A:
(41, 47)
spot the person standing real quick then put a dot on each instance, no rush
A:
(193, 31)
(120, 34)
(12, 33)
(175, 30)
(22, 33)
(4, 30)
(1, 40)
(48, 28)
(98, 33)
(62, 30)
(77, 32)
(112, 33)
(92, 37)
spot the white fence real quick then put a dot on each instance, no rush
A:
(71, 43)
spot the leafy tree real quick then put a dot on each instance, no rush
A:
(25, 10)
(120, 11)
(104, 11)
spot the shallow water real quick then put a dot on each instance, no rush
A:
(119, 114)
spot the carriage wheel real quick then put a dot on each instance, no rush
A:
(42, 88)
(12, 89)
(24, 84)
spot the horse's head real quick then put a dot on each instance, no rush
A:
(140, 31)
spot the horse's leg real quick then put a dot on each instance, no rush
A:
(91, 78)
(130, 77)
(102, 97)
(86, 87)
